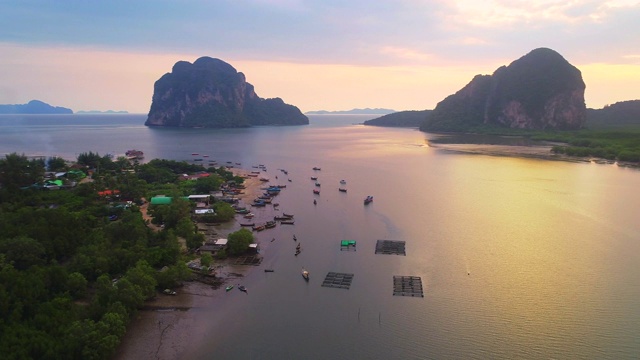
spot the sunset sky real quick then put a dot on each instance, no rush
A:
(330, 55)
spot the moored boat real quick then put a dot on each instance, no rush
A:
(229, 287)
(317, 192)
(342, 190)
(368, 199)
(242, 288)
(305, 274)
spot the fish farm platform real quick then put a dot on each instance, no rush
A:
(390, 247)
(338, 280)
(348, 245)
(407, 286)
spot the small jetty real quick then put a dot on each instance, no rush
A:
(249, 260)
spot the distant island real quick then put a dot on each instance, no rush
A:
(34, 107)
(101, 112)
(366, 111)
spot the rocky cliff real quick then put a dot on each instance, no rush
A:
(211, 93)
(541, 90)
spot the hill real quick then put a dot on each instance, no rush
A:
(539, 91)
(410, 118)
(365, 111)
(211, 93)
(622, 113)
(34, 107)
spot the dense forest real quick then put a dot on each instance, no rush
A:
(77, 260)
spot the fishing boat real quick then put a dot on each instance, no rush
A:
(305, 274)
(295, 238)
(134, 154)
(342, 190)
(287, 222)
(318, 184)
(248, 224)
(268, 270)
(368, 199)
(343, 181)
(316, 168)
(242, 288)
(229, 287)
(270, 224)
(317, 192)
(314, 178)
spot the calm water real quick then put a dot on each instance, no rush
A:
(519, 258)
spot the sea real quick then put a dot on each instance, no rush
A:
(517, 258)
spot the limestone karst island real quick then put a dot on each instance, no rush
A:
(211, 93)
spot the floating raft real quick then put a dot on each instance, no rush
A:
(390, 247)
(407, 286)
(249, 260)
(347, 245)
(338, 280)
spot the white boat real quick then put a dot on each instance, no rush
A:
(305, 274)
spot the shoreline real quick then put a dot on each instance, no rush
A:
(167, 326)
(542, 152)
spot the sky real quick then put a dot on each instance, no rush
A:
(314, 54)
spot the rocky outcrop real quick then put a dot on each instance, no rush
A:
(211, 93)
(541, 90)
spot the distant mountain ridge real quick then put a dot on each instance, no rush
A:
(211, 93)
(365, 111)
(101, 112)
(34, 107)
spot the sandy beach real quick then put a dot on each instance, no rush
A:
(167, 325)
